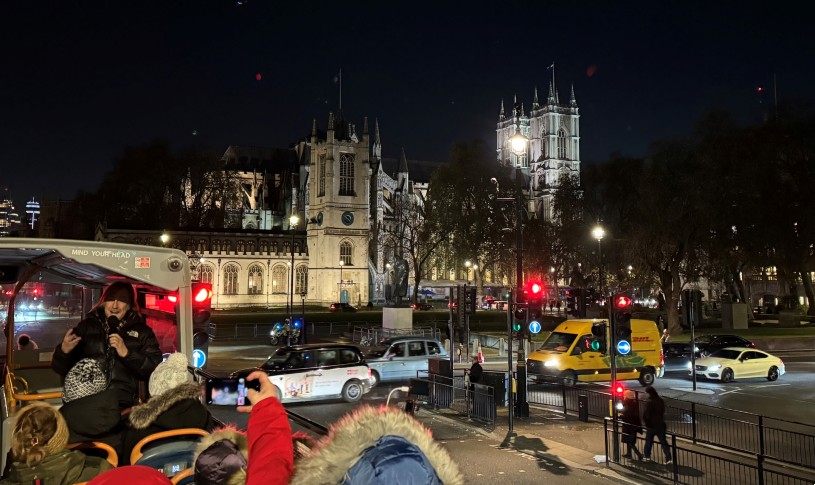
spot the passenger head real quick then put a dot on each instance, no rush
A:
(86, 378)
(221, 458)
(143, 475)
(118, 299)
(39, 431)
(377, 446)
(652, 393)
(23, 341)
(474, 358)
(169, 374)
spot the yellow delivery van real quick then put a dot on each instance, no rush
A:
(568, 354)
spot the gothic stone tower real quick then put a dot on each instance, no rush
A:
(553, 149)
(339, 214)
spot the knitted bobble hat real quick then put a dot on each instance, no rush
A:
(169, 374)
(86, 378)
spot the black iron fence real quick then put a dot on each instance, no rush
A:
(787, 442)
(475, 401)
(705, 466)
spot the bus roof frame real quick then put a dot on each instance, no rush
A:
(97, 264)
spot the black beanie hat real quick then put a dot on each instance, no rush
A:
(121, 291)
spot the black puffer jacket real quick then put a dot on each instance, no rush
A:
(143, 353)
(95, 418)
(654, 414)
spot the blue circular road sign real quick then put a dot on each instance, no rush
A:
(623, 347)
(199, 358)
(534, 326)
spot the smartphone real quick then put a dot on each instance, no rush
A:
(229, 391)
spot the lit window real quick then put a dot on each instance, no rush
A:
(346, 253)
(255, 279)
(279, 279)
(230, 279)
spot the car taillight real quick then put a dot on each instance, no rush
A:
(752, 344)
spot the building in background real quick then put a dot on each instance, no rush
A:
(552, 150)
(342, 193)
(9, 218)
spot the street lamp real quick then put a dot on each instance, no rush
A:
(599, 233)
(342, 263)
(518, 144)
(293, 220)
(387, 283)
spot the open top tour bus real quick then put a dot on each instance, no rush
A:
(48, 285)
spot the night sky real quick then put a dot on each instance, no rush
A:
(82, 80)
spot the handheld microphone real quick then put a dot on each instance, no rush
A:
(112, 325)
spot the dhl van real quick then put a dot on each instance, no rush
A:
(568, 354)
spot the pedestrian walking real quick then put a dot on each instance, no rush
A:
(632, 424)
(654, 418)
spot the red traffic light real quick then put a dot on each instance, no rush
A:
(202, 295)
(622, 301)
(535, 288)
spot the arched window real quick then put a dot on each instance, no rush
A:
(279, 279)
(264, 247)
(205, 273)
(561, 144)
(275, 248)
(301, 279)
(255, 279)
(346, 253)
(216, 246)
(346, 174)
(250, 246)
(241, 247)
(231, 279)
(227, 247)
(321, 188)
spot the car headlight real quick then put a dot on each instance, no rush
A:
(714, 367)
(550, 363)
(690, 366)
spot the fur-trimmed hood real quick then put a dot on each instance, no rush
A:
(144, 415)
(222, 475)
(373, 445)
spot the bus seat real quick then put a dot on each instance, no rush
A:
(38, 379)
(90, 448)
(185, 477)
(170, 452)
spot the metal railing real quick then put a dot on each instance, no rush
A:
(476, 402)
(705, 466)
(368, 336)
(783, 441)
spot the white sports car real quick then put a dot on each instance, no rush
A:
(739, 363)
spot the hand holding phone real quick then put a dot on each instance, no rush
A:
(226, 392)
(267, 390)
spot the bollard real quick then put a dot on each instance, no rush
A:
(583, 407)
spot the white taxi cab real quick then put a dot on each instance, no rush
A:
(317, 371)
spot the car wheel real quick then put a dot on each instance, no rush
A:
(374, 378)
(569, 378)
(727, 375)
(647, 377)
(352, 391)
(773, 374)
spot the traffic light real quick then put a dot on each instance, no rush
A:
(598, 342)
(201, 313)
(571, 301)
(520, 313)
(534, 299)
(622, 317)
(469, 300)
(581, 302)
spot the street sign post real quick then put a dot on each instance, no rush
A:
(623, 347)
(534, 326)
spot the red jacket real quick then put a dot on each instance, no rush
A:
(271, 452)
